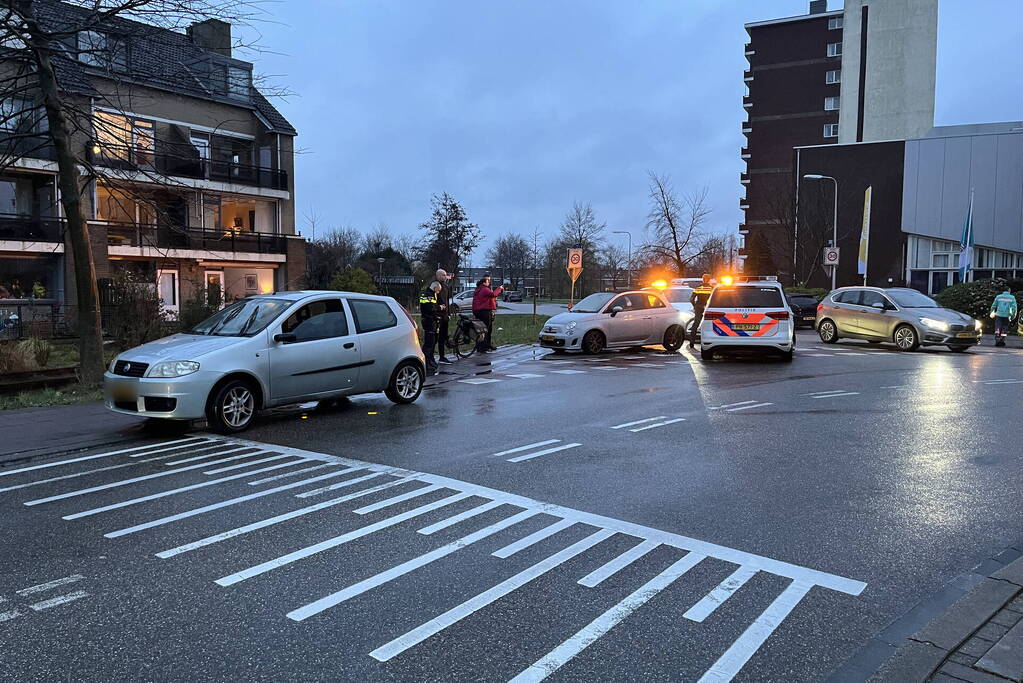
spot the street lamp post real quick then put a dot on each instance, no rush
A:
(834, 221)
(628, 275)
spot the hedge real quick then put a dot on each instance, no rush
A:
(974, 298)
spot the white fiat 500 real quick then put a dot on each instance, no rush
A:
(611, 320)
(749, 316)
(267, 351)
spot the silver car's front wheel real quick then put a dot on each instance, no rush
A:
(232, 407)
(406, 383)
(906, 338)
(828, 332)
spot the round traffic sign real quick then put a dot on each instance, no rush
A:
(575, 259)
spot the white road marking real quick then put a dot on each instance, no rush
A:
(546, 451)
(290, 474)
(173, 492)
(851, 353)
(479, 380)
(847, 393)
(361, 587)
(638, 422)
(1000, 381)
(711, 601)
(658, 424)
(337, 540)
(222, 504)
(525, 375)
(74, 578)
(527, 447)
(532, 539)
(569, 372)
(100, 455)
(633, 357)
(732, 405)
(558, 362)
(596, 360)
(598, 575)
(202, 441)
(59, 600)
(824, 393)
(736, 656)
(397, 499)
(254, 462)
(607, 367)
(204, 457)
(454, 615)
(648, 365)
(334, 487)
(755, 405)
(7, 616)
(818, 355)
(460, 517)
(86, 472)
(560, 655)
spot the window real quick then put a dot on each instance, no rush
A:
(100, 50)
(371, 316)
(19, 115)
(653, 301)
(318, 320)
(850, 296)
(833, 76)
(831, 103)
(870, 298)
(127, 139)
(239, 80)
(835, 23)
(745, 297)
(834, 49)
(831, 130)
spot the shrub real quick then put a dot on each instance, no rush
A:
(353, 280)
(12, 358)
(138, 315)
(974, 298)
(204, 303)
(36, 349)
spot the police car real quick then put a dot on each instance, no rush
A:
(748, 316)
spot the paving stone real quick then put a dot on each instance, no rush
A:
(992, 631)
(967, 674)
(976, 647)
(942, 678)
(1006, 618)
(961, 619)
(913, 661)
(964, 659)
(1011, 572)
(1005, 657)
(1017, 604)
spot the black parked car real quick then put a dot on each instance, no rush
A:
(513, 296)
(804, 309)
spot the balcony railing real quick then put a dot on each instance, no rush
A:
(747, 101)
(27, 146)
(28, 228)
(206, 239)
(180, 164)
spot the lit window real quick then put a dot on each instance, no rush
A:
(834, 76)
(835, 23)
(831, 103)
(834, 49)
(113, 133)
(831, 130)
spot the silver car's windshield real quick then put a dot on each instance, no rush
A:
(593, 303)
(243, 318)
(910, 298)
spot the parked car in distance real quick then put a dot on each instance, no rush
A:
(512, 296)
(680, 299)
(899, 315)
(804, 309)
(271, 350)
(464, 299)
(747, 316)
(615, 320)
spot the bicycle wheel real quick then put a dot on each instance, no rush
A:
(465, 340)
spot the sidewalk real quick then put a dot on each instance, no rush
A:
(33, 431)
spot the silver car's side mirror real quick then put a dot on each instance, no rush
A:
(616, 310)
(878, 306)
(285, 338)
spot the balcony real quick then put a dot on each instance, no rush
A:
(34, 229)
(747, 127)
(183, 165)
(744, 178)
(203, 239)
(747, 101)
(744, 152)
(743, 229)
(743, 203)
(747, 75)
(28, 147)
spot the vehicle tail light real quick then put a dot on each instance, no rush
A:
(408, 315)
(713, 315)
(820, 307)
(779, 315)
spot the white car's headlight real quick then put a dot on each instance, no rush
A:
(173, 368)
(978, 325)
(935, 324)
(571, 326)
(113, 362)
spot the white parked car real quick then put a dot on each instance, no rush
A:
(612, 320)
(680, 299)
(271, 350)
(464, 299)
(749, 316)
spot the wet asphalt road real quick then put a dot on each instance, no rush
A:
(767, 519)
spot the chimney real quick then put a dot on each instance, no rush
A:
(816, 6)
(212, 35)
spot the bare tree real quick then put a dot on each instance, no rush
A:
(614, 260)
(511, 256)
(675, 224)
(581, 229)
(331, 254)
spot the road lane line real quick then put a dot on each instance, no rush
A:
(303, 553)
(334, 487)
(270, 521)
(208, 455)
(454, 615)
(388, 502)
(7, 616)
(755, 405)
(532, 539)
(100, 455)
(172, 492)
(525, 375)
(59, 600)
(527, 447)
(383, 577)
(711, 601)
(590, 633)
(599, 574)
(847, 393)
(86, 472)
(460, 517)
(255, 462)
(648, 365)
(546, 451)
(732, 405)
(133, 480)
(223, 504)
(658, 424)
(825, 393)
(480, 380)
(607, 367)
(639, 422)
(569, 372)
(74, 578)
(286, 475)
(746, 645)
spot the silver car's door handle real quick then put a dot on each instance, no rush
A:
(349, 345)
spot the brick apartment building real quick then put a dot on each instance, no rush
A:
(189, 169)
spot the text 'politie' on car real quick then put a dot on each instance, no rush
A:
(271, 350)
(612, 320)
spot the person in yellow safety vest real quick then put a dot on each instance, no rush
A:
(429, 310)
(699, 299)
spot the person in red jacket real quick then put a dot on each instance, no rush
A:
(484, 304)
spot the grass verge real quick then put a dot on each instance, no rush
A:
(517, 329)
(44, 398)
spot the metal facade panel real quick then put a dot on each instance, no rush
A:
(910, 182)
(955, 187)
(1008, 214)
(983, 161)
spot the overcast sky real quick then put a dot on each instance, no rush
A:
(520, 108)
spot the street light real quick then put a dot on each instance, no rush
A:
(834, 222)
(629, 274)
(380, 269)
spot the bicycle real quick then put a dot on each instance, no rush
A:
(466, 337)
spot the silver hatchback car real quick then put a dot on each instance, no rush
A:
(903, 316)
(271, 350)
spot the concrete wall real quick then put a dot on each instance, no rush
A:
(939, 173)
(901, 59)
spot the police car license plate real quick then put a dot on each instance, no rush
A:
(746, 327)
(546, 337)
(965, 334)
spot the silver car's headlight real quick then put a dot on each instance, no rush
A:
(571, 326)
(173, 368)
(978, 325)
(935, 324)
(113, 362)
